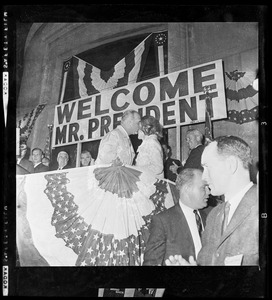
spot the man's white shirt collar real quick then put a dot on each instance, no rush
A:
(236, 199)
(191, 221)
(37, 164)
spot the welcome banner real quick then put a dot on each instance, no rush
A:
(175, 99)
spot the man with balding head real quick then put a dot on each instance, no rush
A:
(194, 139)
(116, 143)
(63, 159)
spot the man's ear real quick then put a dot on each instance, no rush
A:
(232, 163)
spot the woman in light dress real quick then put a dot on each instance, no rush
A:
(150, 152)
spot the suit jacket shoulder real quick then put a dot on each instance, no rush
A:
(27, 164)
(194, 159)
(41, 168)
(241, 236)
(169, 235)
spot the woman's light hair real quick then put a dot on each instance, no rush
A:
(150, 125)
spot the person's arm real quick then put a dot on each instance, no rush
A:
(156, 244)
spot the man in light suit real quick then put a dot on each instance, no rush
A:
(226, 163)
(116, 143)
(175, 230)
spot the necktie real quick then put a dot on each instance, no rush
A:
(226, 216)
(198, 222)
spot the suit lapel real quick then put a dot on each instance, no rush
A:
(203, 215)
(241, 213)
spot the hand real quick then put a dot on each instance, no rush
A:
(178, 260)
(174, 168)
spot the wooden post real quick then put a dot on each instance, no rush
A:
(79, 147)
(50, 128)
(18, 141)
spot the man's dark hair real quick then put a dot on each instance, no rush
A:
(232, 145)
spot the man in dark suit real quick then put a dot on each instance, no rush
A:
(63, 159)
(232, 230)
(168, 161)
(37, 156)
(175, 231)
(194, 139)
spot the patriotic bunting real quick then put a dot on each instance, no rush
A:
(74, 221)
(82, 79)
(242, 98)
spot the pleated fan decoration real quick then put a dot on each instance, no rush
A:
(118, 179)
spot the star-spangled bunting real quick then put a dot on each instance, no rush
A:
(93, 247)
(242, 98)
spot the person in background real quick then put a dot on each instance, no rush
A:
(24, 165)
(150, 153)
(63, 159)
(46, 161)
(231, 236)
(86, 159)
(37, 155)
(194, 139)
(168, 161)
(116, 143)
(178, 229)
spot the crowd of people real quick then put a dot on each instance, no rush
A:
(188, 233)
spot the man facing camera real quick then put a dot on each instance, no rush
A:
(86, 159)
(62, 160)
(37, 156)
(178, 229)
